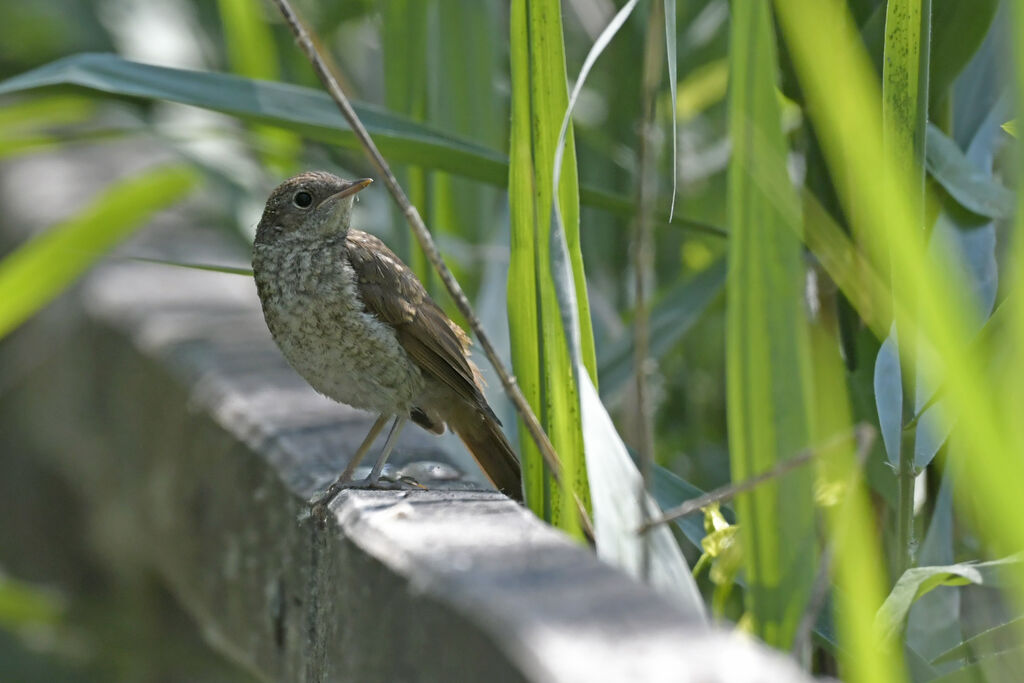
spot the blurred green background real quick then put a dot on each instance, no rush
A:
(445, 64)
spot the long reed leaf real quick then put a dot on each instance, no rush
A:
(540, 348)
(766, 342)
(40, 269)
(303, 110)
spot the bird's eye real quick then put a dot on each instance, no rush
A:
(302, 199)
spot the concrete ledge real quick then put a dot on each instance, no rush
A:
(168, 407)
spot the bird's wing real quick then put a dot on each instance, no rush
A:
(392, 292)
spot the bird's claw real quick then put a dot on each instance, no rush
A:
(318, 504)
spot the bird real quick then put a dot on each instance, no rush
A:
(357, 324)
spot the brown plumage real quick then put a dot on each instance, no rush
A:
(360, 327)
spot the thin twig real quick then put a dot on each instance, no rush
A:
(643, 259)
(419, 229)
(729, 491)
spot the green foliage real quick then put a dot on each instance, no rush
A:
(23, 605)
(767, 341)
(539, 100)
(918, 581)
(819, 266)
(252, 53)
(40, 269)
(305, 111)
(972, 189)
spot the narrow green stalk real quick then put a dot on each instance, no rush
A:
(767, 341)
(905, 541)
(403, 34)
(643, 256)
(904, 117)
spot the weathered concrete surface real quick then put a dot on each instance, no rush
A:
(168, 407)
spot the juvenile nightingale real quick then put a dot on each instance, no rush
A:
(358, 325)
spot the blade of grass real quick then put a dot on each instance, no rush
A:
(41, 268)
(523, 313)
(766, 343)
(252, 53)
(858, 579)
(643, 251)
(614, 481)
(463, 101)
(620, 499)
(44, 112)
(670, 53)
(918, 581)
(403, 35)
(904, 117)
(546, 201)
(933, 624)
(210, 267)
(303, 110)
(1013, 380)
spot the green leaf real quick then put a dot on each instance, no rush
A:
(248, 39)
(23, 604)
(904, 116)
(44, 112)
(39, 270)
(540, 349)
(210, 267)
(1011, 127)
(403, 35)
(934, 622)
(670, 53)
(463, 100)
(918, 581)
(620, 502)
(958, 29)
(253, 53)
(615, 484)
(767, 342)
(888, 386)
(304, 110)
(973, 189)
(25, 125)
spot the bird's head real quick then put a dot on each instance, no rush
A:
(310, 204)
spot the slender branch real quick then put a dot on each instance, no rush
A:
(419, 229)
(730, 491)
(643, 259)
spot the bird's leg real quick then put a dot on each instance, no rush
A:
(360, 453)
(389, 446)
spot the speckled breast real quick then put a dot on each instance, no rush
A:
(314, 312)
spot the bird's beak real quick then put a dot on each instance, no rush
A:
(350, 189)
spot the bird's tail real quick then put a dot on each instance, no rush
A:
(480, 430)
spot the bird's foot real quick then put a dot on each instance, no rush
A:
(318, 505)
